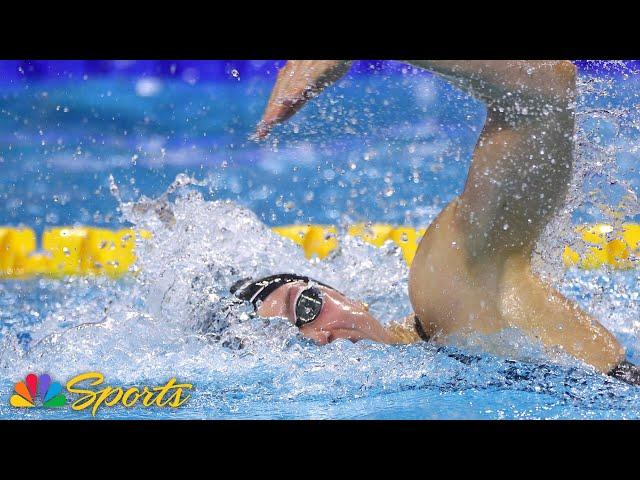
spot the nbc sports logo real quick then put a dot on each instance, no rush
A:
(34, 387)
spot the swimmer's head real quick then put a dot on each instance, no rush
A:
(322, 313)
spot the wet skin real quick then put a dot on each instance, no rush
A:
(339, 318)
(472, 270)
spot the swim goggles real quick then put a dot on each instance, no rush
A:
(309, 302)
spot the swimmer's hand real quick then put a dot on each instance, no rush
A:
(297, 82)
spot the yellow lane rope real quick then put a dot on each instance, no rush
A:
(67, 251)
(99, 251)
(601, 245)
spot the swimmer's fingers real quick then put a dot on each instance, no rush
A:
(297, 82)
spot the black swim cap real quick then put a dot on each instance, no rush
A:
(254, 291)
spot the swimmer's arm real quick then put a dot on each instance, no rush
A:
(297, 82)
(506, 82)
(502, 83)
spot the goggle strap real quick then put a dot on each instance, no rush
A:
(259, 290)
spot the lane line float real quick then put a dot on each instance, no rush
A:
(100, 251)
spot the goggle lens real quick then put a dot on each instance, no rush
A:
(308, 306)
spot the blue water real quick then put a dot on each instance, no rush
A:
(390, 147)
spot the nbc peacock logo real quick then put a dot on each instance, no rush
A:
(34, 387)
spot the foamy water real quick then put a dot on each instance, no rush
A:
(149, 327)
(166, 318)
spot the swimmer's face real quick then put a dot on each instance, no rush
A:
(339, 317)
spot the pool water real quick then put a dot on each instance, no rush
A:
(386, 147)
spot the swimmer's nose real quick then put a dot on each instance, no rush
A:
(321, 337)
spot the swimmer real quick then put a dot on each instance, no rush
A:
(472, 271)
